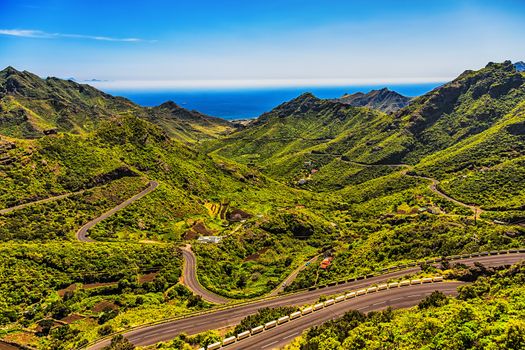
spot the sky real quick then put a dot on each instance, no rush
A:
(229, 43)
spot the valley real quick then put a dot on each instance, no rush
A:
(156, 221)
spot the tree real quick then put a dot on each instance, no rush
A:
(435, 299)
(118, 342)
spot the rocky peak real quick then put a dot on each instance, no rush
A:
(382, 99)
(9, 70)
(170, 105)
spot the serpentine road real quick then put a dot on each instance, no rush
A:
(82, 232)
(395, 298)
(433, 186)
(232, 315)
(190, 280)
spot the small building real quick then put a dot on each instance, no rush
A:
(209, 239)
(326, 262)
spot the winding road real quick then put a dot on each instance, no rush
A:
(231, 315)
(189, 278)
(82, 232)
(395, 298)
(433, 186)
(476, 210)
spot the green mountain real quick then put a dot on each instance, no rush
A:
(384, 100)
(31, 107)
(311, 177)
(309, 133)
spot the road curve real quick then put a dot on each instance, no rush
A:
(433, 186)
(189, 273)
(148, 335)
(477, 211)
(395, 298)
(82, 232)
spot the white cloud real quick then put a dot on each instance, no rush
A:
(257, 83)
(29, 33)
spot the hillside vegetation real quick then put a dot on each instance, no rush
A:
(312, 177)
(488, 314)
(31, 107)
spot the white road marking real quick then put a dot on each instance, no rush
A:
(291, 335)
(270, 344)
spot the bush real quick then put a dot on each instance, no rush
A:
(105, 330)
(435, 299)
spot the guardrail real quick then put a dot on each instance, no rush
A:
(314, 308)
(358, 278)
(417, 263)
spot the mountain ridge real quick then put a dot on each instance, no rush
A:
(281, 140)
(385, 100)
(32, 106)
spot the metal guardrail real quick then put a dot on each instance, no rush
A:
(317, 307)
(419, 263)
(242, 303)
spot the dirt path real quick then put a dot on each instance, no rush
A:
(189, 278)
(291, 277)
(82, 232)
(41, 201)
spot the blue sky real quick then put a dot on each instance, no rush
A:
(196, 43)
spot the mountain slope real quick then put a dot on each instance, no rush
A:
(187, 125)
(384, 100)
(289, 140)
(471, 103)
(303, 130)
(31, 107)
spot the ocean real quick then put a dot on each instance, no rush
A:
(250, 103)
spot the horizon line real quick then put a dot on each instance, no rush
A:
(199, 84)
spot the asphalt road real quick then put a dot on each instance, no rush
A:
(6, 346)
(82, 232)
(395, 298)
(190, 280)
(220, 318)
(477, 211)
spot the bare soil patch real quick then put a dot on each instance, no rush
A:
(98, 284)
(70, 288)
(72, 318)
(256, 255)
(148, 277)
(197, 230)
(104, 305)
